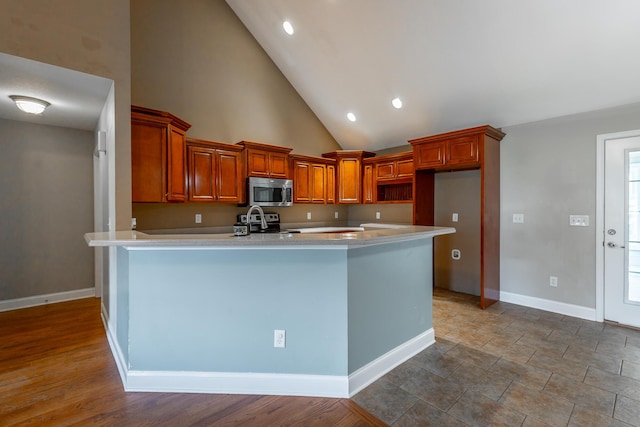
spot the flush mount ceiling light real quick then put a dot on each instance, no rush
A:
(396, 102)
(29, 105)
(351, 117)
(288, 28)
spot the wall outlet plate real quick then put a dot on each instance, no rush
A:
(279, 338)
(518, 218)
(553, 281)
(579, 220)
(308, 215)
(455, 254)
(454, 217)
(377, 215)
(198, 218)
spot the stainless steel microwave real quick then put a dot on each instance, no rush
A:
(269, 191)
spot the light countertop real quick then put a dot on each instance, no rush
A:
(371, 236)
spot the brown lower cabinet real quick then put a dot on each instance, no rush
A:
(475, 148)
(215, 172)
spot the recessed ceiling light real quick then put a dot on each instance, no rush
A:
(288, 28)
(397, 102)
(351, 117)
(29, 105)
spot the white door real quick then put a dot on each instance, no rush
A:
(622, 231)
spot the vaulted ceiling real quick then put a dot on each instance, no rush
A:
(453, 63)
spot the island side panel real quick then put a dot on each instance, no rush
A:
(121, 310)
(390, 298)
(215, 310)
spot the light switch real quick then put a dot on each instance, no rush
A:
(579, 220)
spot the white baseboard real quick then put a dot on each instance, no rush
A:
(14, 304)
(334, 386)
(383, 364)
(579, 311)
(238, 383)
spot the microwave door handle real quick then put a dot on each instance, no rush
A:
(284, 194)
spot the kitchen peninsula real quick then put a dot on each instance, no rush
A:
(198, 312)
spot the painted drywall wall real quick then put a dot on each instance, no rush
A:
(198, 61)
(458, 192)
(87, 36)
(548, 172)
(209, 70)
(46, 200)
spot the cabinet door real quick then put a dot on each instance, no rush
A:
(229, 180)
(318, 172)
(431, 155)
(461, 151)
(148, 156)
(257, 163)
(278, 165)
(404, 168)
(331, 184)
(367, 184)
(349, 180)
(201, 174)
(176, 166)
(301, 180)
(384, 170)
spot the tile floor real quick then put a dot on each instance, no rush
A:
(512, 366)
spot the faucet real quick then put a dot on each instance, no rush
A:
(263, 221)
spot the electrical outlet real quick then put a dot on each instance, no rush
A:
(553, 281)
(518, 218)
(279, 338)
(336, 215)
(308, 215)
(377, 215)
(134, 223)
(454, 217)
(198, 218)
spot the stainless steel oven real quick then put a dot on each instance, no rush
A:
(269, 191)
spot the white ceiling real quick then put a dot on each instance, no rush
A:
(454, 63)
(76, 98)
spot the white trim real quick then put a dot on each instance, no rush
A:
(579, 311)
(600, 166)
(385, 363)
(266, 383)
(238, 383)
(14, 304)
(116, 351)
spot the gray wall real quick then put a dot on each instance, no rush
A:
(548, 171)
(46, 202)
(458, 192)
(88, 36)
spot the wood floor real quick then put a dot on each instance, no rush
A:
(56, 369)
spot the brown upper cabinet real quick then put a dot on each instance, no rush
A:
(215, 172)
(349, 172)
(266, 160)
(313, 179)
(388, 178)
(158, 156)
(475, 148)
(459, 151)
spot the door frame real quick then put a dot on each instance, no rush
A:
(599, 235)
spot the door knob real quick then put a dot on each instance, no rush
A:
(613, 245)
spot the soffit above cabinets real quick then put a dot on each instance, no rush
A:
(455, 64)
